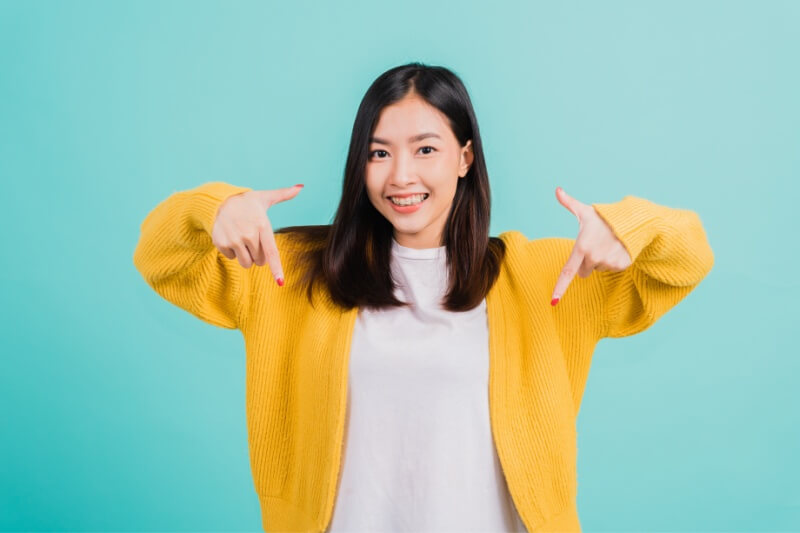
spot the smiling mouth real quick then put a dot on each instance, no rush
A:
(414, 199)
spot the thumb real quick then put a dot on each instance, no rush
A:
(568, 201)
(281, 195)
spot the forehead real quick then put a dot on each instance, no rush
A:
(409, 116)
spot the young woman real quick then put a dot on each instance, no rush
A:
(405, 370)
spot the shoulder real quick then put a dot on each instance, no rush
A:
(299, 249)
(298, 238)
(533, 267)
(301, 243)
(539, 263)
(542, 252)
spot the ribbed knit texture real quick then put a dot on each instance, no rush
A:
(297, 356)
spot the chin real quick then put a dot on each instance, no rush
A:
(407, 230)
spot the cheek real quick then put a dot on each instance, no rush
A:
(370, 182)
(374, 191)
(444, 172)
(444, 184)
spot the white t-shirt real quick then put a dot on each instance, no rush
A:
(418, 451)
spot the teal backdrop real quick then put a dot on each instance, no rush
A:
(120, 411)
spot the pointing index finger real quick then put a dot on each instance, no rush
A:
(273, 254)
(567, 274)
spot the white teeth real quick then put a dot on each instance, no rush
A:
(410, 200)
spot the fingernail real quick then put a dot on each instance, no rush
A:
(559, 189)
(299, 185)
(280, 282)
(554, 301)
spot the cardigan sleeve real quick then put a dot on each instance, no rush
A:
(670, 256)
(176, 257)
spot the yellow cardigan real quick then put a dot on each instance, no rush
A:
(297, 357)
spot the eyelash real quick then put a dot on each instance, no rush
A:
(421, 147)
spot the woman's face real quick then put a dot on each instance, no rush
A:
(413, 151)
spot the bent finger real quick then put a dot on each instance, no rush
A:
(587, 266)
(242, 254)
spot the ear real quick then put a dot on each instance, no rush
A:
(467, 157)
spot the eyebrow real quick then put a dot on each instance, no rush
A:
(415, 138)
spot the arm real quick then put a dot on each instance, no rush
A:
(670, 254)
(177, 259)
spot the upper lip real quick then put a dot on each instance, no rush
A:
(405, 195)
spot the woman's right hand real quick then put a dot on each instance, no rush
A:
(243, 231)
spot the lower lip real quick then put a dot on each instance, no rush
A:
(407, 208)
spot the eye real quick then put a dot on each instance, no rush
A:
(372, 153)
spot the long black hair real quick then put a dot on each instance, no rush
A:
(352, 255)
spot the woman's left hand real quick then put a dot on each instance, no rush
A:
(596, 247)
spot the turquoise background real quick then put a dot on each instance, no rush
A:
(122, 412)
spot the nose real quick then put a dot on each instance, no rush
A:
(403, 172)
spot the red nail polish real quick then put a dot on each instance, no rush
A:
(280, 282)
(554, 301)
(299, 185)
